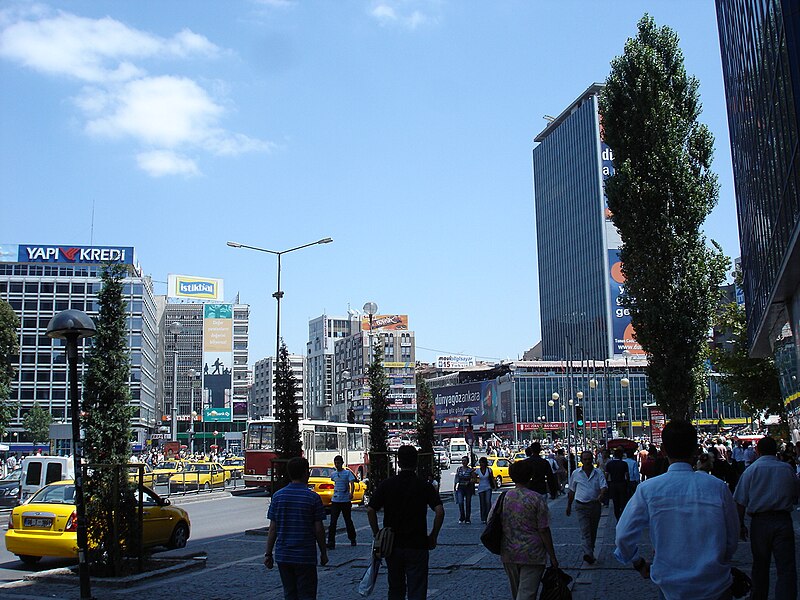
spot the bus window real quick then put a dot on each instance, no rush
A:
(259, 436)
(325, 438)
(355, 439)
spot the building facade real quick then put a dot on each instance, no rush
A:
(263, 392)
(580, 279)
(204, 385)
(323, 332)
(39, 281)
(352, 357)
(760, 47)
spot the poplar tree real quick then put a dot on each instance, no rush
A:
(378, 426)
(660, 194)
(425, 427)
(288, 442)
(9, 351)
(106, 419)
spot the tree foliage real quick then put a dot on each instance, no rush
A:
(753, 382)
(287, 430)
(661, 192)
(425, 427)
(9, 350)
(378, 428)
(37, 423)
(106, 415)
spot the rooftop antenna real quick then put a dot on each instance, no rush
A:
(91, 230)
(548, 118)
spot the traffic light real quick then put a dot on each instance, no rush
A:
(579, 416)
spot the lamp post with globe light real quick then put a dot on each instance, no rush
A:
(72, 325)
(175, 329)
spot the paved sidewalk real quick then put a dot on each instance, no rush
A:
(459, 566)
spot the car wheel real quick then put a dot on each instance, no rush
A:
(499, 481)
(179, 536)
(365, 498)
(29, 560)
(207, 487)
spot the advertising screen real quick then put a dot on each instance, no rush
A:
(491, 404)
(218, 354)
(622, 328)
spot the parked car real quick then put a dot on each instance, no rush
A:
(9, 488)
(46, 525)
(234, 466)
(320, 482)
(164, 470)
(148, 477)
(199, 476)
(499, 468)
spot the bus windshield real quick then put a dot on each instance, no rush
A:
(260, 436)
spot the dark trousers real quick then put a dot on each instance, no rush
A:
(588, 520)
(408, 573)
(464, 499)
(343, 508)
(619, 494)
(771, 534)
(299, 581)
(486, 504)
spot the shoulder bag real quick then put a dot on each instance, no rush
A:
(493, 533)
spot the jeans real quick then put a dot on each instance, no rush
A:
(299, 581)
(485, 498)
(464, 500)
(344, 508)
(588, 520)
(524, 580)
(772, 535)
(408, 573)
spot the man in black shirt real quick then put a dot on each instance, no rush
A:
(404, 499)
(618, 476)
(542, 480)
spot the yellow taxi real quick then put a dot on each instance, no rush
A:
(148, 477)
(234, 466)
(499, 467)
(164, 470)
(319, 481)
(519, 456)
(47, 524)
(199, 476)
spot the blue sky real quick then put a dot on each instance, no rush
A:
(403, 129)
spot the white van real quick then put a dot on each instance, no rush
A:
(458, 449)
(38, 471)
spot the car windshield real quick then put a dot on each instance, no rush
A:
(321, 472)
(13, 476)
(199, 468)
(54, 494)
(167, 465)
(233, 462)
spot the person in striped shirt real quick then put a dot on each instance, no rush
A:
(295, 526)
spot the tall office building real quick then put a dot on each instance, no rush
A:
(352, 357)
(213, 378)
(580, 279)
(760, 46)
(263, 392)
(322, 333)
(40, 280)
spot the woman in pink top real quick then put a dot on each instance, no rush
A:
(526, 535)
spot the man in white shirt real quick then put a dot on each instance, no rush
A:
(693, 525)
(768, 492)
(587, 488)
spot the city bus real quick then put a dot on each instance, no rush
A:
(322, 441)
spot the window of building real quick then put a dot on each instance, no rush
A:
(62, 288)
(31, 288)
(46, 287)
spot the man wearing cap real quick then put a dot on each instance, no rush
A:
(767, 492)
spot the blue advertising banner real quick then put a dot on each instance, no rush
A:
(450, 402)
(622, 328)
(83, 255)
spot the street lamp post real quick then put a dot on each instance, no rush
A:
(193, 413)
(175, 329)
(626, 383)
(553, 401)
(72, 325)
(279, 294)
(593, 403)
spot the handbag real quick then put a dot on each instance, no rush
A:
(384, 542)
(555, 585)
(492, 535)
(741, 583)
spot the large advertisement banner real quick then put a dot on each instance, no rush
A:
(621, 326)
(491, 404)
(385, 322)
(218, 354)
(196, 288)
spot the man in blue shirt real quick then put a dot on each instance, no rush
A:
(344, 486)
(693, 525)
(295, 526)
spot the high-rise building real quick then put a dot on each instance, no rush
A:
(760, 46)
(263, 393)
(352, 357)
(39, 281)
(212, 374)
(322, 333)
(580, 279)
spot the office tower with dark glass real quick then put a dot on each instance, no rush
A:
(580, 280)
(760, 46)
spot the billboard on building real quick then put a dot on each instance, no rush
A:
(197, 288)
(385, 322)
(491, 403)
(621, 326)
(82, 255)
(454, 361)
(218, 354)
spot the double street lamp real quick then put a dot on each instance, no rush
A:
(279, 294)
(175, 329)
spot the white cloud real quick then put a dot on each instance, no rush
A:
(401, 13)
(94, 50)
(164, 162)
(167, 114)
